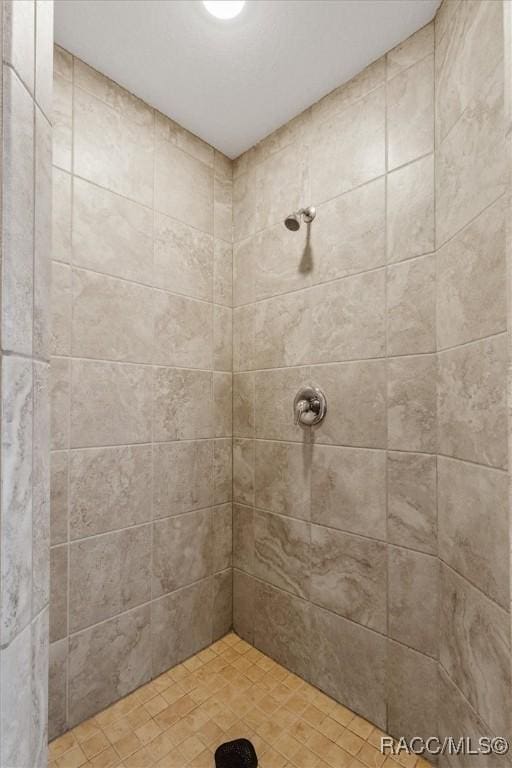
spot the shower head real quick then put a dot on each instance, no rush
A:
(293, 221)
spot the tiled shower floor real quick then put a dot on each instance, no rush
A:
(227, 691)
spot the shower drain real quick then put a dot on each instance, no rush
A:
(236, 754)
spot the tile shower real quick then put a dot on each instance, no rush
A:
(369, 556)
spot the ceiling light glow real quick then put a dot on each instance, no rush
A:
(224, 9)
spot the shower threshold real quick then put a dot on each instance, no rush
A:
(228, 691)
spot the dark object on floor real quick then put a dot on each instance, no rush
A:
(236, 754)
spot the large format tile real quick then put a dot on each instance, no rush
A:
(282, 328)
(58, 592)
(110, 404)
(222, 533)
(16, 496)
(97, 654)
(348, 490)
(473, 525)
(348, 576)
(243, 471)
(410, 113)
(274, 262)
(183, 479)
(410, 51)
(62, 121)
(183, 331)
(182, 551)
(471, 402)
(59, 496)
(223, 273)
(223, 208)
(108, 488)
(282, 628)
(190, 607)
(243, 605)
(410, 210)
(42, 233)
(18, 40)
(39, 685)
(470, 172)
(338, 165)
(466, 59)
(413, 587)
(40, 489)
(273, 406)
(243, 405)
(222, 404)
(348, 319)
(476, 659)
(349, 233)
(111, 150)
(283, 478)
(412, 390)
(222, 604)
(243, 538)
(108, 574)
(222, 338)
(16, 700)
(412, 503)
(192, 391)
(349, 664)
(60, 392)
(183, 187)
(183, 258)
(110, 233)
(222, 470)
(281, 185)
(18, 215)
(282, 552)
(61, 216)
(57, 688)
(356, 403)
(112, 319)
(337, 100)
(412, 693)
(61, 309)
(411, 307)
(471, 293)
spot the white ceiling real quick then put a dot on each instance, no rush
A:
(234, 82)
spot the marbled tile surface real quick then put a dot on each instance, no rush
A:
(229, 690)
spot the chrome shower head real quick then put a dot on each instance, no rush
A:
(293, 221)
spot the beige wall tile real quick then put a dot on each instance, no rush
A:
(410, 113)
(57, 689)
(417, 47)
(348, 490)
(183, 187)
(245, 199)
(411, 307)
(473, 536)
(243, 405)
(108, 574)
(60, 393)
(340, 664)
(243, 471)
(111, 150)
(58, 592)
(42, 234)
(282, 552)
(61, 308)
(275, 261)
(283, 478)
(281, 186)
(183, 477)
(222, 404)
(182, 550)
(189, 607)
(283, 628)
(95, 656)
(413, 588)
(110, 404)
(479, 668)
(222, 338)
(222, 609)
(18, 40)
(470, 173)
(244, 271)
(15, 668)
(243, 600)
(193, 390)
(183, 258)
(183, 331)
(412, 415)
(40, 493)
(18, 216)
(222, 470)
(347, 318)
(338, 166)
(471, 301)
(222, 533)
(471, 407)
(59, 497)
(243, 538)
(62, 121)
(349, 233)
(111, 234)
(273, 404)
(108, 489)
(282, 328)
(112, 319)
(412, 509)
(348, 576)
(223, 273)
(411, 692)
(356, 399)
(223, 208)
(410, 210)
(61, 216)
(243, 337)
(336, 101)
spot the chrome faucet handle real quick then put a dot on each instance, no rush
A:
(309, 406)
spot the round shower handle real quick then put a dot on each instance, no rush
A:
(309, 406)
